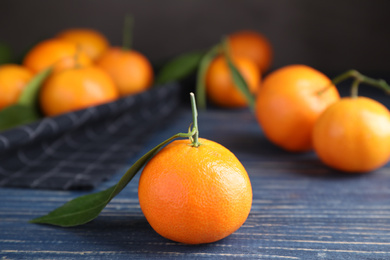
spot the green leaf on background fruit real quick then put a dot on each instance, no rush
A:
(179, 67)
(201, 75)
(17, 115)
(238, 79)
(29, 96)
(26, 109)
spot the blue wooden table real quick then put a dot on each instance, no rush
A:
(301, 209)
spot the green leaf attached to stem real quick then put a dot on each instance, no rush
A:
(179, 67)
(238, 79)
(201, 75)
(86, 208)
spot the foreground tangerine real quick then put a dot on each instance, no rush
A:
(55, 52)
(353, 135)
(131, 71)
(195, 195)
(91, 41)
(289, 102)
(75, 89)
(13, 79)
(220, 87)
(252, 45)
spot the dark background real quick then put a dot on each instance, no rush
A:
(328, 35)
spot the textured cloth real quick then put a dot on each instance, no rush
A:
(78, 150)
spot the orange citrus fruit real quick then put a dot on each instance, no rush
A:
(13, 79)
(220, 87)
(289, 102)
(130, 70)
(195, 195)
(353, 135)
(55, 52)
(253, 45)
(91, 41)
(76, 88)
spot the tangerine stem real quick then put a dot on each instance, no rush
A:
(128, 32)
(195, 141)
(359, 78)
(354, 88)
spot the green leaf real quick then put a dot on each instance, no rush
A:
(179, 67)
(86, 208)
(29, 96)
(201, 76)
(237, 77)
(25, 110)
(17, 115)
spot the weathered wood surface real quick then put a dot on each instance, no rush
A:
(301, 209)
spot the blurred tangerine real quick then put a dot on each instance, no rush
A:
(220, 87)
(91, 41)
(253, 45)
(55, 52)
(131, 71)
(13, 79)
(76, 88)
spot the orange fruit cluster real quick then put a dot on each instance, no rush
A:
(251, 53)
(87, 71)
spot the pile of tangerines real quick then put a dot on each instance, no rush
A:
(299, 108)
(86, 71)
(196, 191)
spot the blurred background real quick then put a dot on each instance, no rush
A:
(328, 35)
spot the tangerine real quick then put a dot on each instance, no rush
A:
(195, 195)
(253, 45)
(220, 87)
(76, 88)
(13, 79)
(289, 102)
(55, 52)
(353, 135)
(130, 70)
(91, 41)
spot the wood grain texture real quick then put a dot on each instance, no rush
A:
(301, 209)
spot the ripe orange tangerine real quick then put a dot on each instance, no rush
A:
(195, 195)
(130, 70)
(353, 135)
(13, 79)
(289, 102)
(253, 45)
(91, 41)
(60, 53)
(76, 88)
(220, 87)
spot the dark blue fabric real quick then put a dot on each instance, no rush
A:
(81, 149)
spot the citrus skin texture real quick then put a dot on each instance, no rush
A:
(220, 87)
(353, 135)
(289, 102)
(130, 70)
(195, 195)
(74, 89)
(252, 45)
(13, 79)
